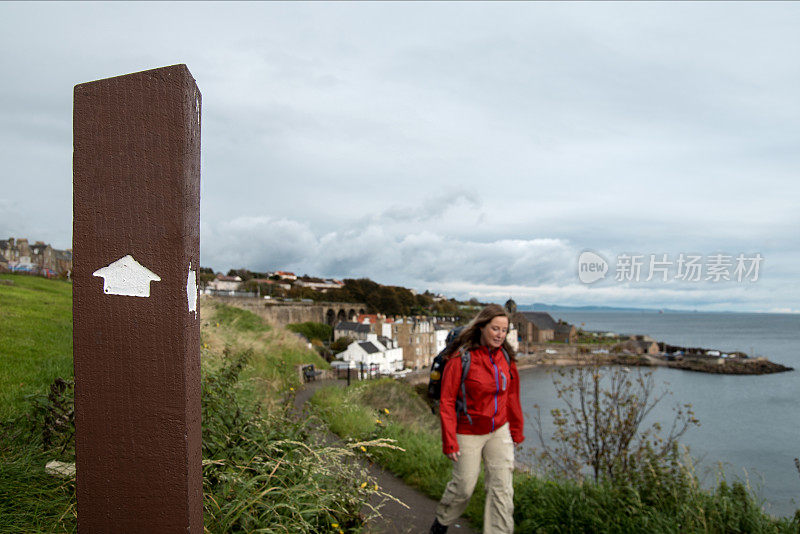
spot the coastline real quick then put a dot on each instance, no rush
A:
(733, 366)
(570, 358)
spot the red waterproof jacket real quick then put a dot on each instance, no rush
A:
(492, 397)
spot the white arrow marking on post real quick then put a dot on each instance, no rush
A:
(127, 277)
(191, 290)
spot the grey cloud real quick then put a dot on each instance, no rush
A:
(542, 270)
(386, 254)
(424, 143)
(431, 208)
(248, 241)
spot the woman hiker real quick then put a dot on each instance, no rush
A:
(490, 426)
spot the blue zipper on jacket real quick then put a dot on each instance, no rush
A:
(496, 384)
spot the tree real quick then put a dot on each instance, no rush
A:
(602, 425)
(363, 290)
(424, 300)
(446, 307)
(341, 344)
(388, 303)
(244, 274)
(403, 296)
(205, 275)
(299, 292)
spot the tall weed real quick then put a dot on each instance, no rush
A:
(268, 472)
(262, 472)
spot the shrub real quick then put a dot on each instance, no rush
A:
(602, 424)
(341, 344)
(312, 330)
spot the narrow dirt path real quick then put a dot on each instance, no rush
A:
(396, 519)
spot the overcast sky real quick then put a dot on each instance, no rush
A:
(470, 148)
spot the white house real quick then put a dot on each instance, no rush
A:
(225, 283)
(229, 286)
(380, 351)
(513, 337)
(441, 332)
(379, 323)
(322, 287)
(286, 275)
(353, 330)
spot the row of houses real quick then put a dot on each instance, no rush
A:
(375, 351)
(419, 339)
(18, 255)
(540, 327)
(233, 285)
(639, 344)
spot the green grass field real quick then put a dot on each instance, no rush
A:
(35, 338)
(35, 349)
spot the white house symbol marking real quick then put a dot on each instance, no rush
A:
(127, 277)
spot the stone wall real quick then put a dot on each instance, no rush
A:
(283, 313)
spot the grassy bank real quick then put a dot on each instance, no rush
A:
(36, 341)
(276, 352)
(668, 499)
(262, 469)
(35, 338)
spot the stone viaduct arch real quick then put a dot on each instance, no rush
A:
(283, 313)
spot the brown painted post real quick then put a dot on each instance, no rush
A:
(136, 332)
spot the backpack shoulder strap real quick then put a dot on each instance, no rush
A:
(466, 358)
(508, 360)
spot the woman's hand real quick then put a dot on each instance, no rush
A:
(454, 455)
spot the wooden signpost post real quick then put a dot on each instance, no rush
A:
(136, 243)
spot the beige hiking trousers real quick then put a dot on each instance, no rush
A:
(497, 451)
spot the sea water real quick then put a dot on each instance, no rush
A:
(750, 425)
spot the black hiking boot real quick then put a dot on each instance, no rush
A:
(438, 528)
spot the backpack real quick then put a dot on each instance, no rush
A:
(437, 370)
(437, 367)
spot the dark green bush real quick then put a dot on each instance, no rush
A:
(312, 330)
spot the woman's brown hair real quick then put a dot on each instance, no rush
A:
(470, 337)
